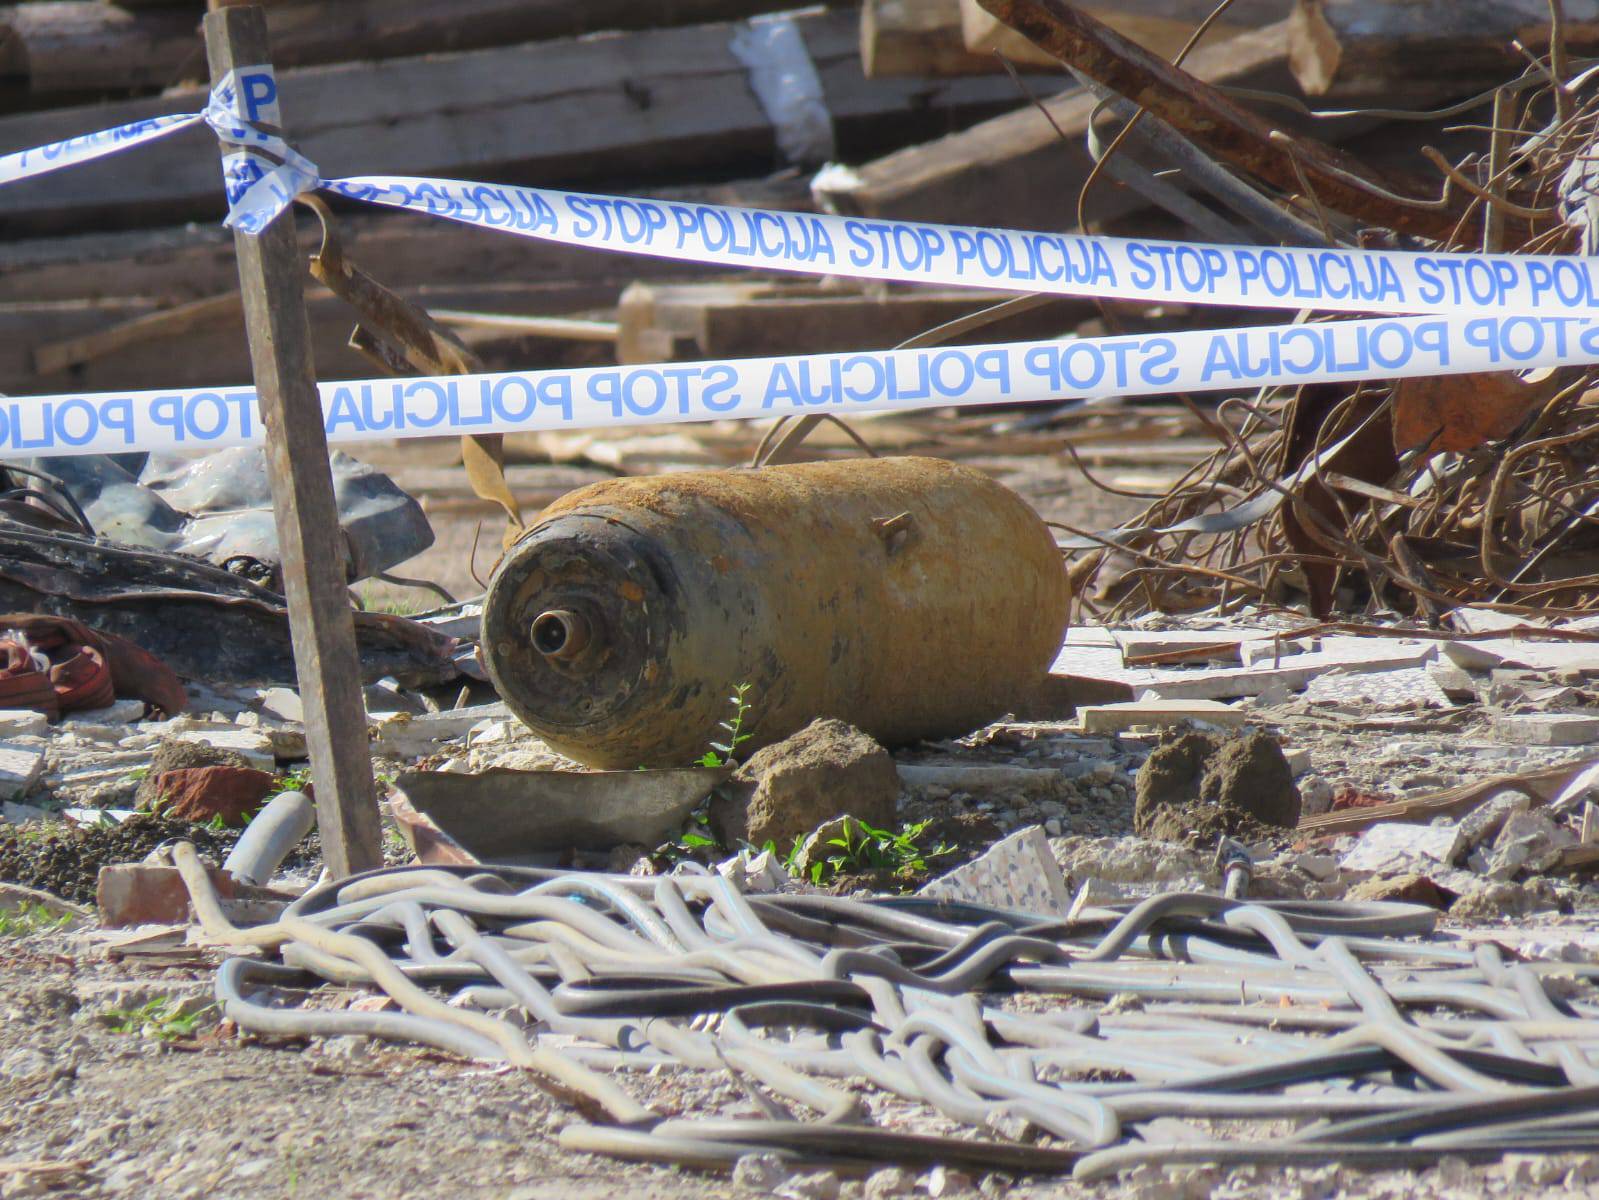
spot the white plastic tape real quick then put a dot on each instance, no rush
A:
(41, 160)
(1331, 280)
(261, 178)
(1325, 280)
(842, 384)
(263, 174)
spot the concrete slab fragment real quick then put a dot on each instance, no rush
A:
(1385, 691)
(1112, 718)
(1548, 729)
(1018, 873)
(1393, 848)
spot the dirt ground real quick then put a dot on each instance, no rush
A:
(103, 1101)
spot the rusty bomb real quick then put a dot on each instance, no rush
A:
(911, 597)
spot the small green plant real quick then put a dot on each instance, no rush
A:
(721, 753)
(863, 848)
(695, 838)
(791, 862)
(163, 1019)
(28, 918)
(137, 774)
(298, 781)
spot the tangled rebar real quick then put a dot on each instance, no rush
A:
(1377, 1046)
(1415, 496)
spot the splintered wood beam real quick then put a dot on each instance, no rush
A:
(272, 280)
(1221, 127)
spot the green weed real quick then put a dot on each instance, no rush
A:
(296, 781)
(721, 754)
(863, 848)
(28, 918)
(163, 1019)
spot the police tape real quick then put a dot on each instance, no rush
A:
(1324, 280)
(263, 174)
(841, 384)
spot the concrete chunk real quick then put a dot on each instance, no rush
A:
(1548, 729)
(23, 722)
(1112, 718)
(20, 768)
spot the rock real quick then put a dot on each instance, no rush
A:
(404, 736)
(149, 894)
(14, 897)
(760, 1172)
(1525, 841)
(1496, 898)
(815, 1185)
(200, 794)
(1196, 787)
(824, 771)
(1414, 888)
(282, 703)
(892, 1181)
(23, 722)
(1455, 683)
(941, 1181)
(1019, 873)
(176, 754)
(120, 712)
(21, 814)
(1548, 729)
(1122, 867)
(1113, 718)
(1393, 848)
(755, 874)
(1317, 866)
(1489, 817)
(1315, 796)
(252, 745)
(621, 859)
(20, 768)
(25, 1063)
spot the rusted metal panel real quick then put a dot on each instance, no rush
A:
(910, 597)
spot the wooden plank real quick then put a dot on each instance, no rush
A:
(1360, 50)
(93, 45)
(85, 46)
(271, 276)
(60, 356)
(1015, 170)
(212, 351)
(1162, 26)
(918, 37)
(740, 319)
(606, 107)
(170, 266)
